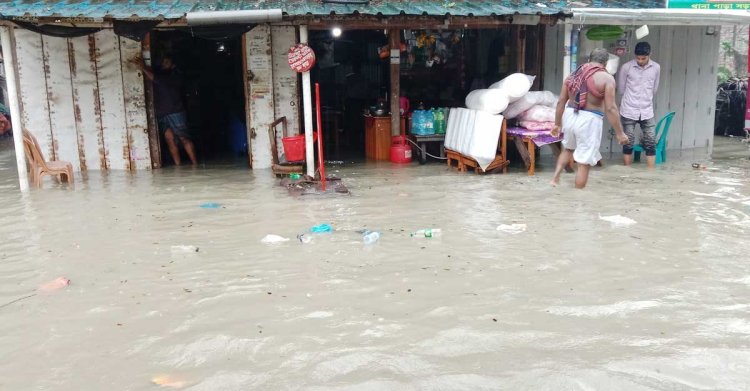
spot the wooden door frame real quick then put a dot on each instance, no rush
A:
(154, 139)
(246, 80)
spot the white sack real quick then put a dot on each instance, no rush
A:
(539, 113)
(544, 98)
(492, 101)
(515, 85)
(548, 99)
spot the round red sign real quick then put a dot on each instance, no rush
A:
(301, 57)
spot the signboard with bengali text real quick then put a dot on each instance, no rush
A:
(301, 58)
(709, 4)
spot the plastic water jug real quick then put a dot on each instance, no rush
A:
(439, 121)
(428, 122)
(417, 122)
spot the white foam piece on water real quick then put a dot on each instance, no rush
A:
(618, 221)
(621, 308)
(272, 239)
(512, 228)
(319, 315)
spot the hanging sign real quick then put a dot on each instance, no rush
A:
(301, 58)
(395, 56)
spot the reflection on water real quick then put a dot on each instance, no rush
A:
(573, 302)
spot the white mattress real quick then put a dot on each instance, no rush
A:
(474, 133)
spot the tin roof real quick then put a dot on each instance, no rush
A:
(176, 9)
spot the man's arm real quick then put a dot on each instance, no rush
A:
(610, 109)
(147, 72)
(656, 79)
(559, 110)
(622, 78)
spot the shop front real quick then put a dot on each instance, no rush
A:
(368, 74)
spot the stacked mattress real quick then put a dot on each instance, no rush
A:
(474, 134)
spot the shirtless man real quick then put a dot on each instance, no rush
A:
(587, 95)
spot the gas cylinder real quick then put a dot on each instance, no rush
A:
(400, 150)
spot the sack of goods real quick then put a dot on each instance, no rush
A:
(531, 99)
(515, 86)
(538, 113)
(492, 101)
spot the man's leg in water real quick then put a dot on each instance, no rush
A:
(190, 149)
(582, 175)
(172, 145)
(562, 161)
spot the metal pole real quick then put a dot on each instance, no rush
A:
(307, 105)
(9, 60)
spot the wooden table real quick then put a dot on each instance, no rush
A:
(430, 138)
(378, 137)
(526, 142)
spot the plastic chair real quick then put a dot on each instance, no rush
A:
(38, 167)
(661, 130)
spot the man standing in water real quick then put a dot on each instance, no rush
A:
(637, 82)
(170, 112)
(587, 95)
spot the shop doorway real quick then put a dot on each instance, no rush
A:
(212, 95)
(438, 68)
(353, 78)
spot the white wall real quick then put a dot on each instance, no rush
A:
(688, 59)
(83, 100)
(273, 90)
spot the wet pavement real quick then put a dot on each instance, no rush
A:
(560, 299)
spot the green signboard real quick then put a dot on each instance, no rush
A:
(709, 4)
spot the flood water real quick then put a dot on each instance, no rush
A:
(573, 302)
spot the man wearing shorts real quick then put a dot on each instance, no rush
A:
(587, 96)
(638, 81)
(170, 112)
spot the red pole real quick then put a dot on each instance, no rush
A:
(320, 138)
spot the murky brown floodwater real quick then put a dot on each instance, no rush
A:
(572, 303)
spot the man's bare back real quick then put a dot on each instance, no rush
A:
(600, 81)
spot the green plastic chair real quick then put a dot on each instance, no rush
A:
(662, 130)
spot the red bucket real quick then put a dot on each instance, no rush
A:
(294, 148)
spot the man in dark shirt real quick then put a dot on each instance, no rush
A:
(170, 112)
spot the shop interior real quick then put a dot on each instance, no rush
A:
(438, 68)
(213, 94)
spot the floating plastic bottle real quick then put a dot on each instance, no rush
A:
(426, 233)
(370, 237)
